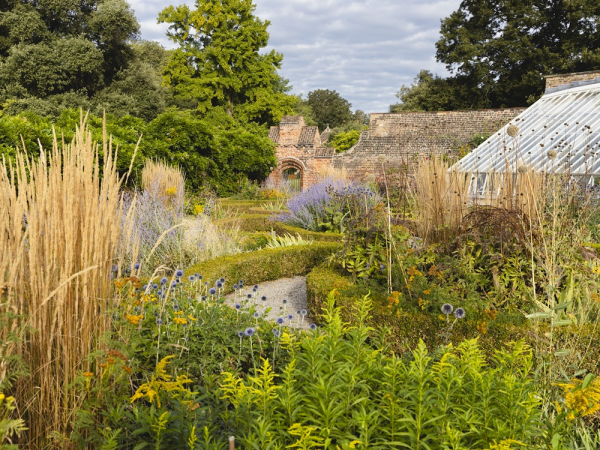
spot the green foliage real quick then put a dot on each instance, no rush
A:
(220, 65)
(430, 92)
(499, 51)
(9, 427)
(302, 108)
(329, 108)
(344, 141)
(337, 390)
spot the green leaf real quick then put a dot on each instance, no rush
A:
(587, 380)
(538, 315)
(563, 352)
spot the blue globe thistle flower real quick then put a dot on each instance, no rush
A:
(240, 334)
(159, 292)
(179, 273)
(256, 287)
(256, 315)
(249, 331)
(156, 314)
(313, 326)
(235, 286)
(197, 275)
(144, 287)
(284, 301)
(238, 306)
(219, 285)
(382, 267)
(241, 282)
(222, 280)
(368, 266)
(212, 291)
(177, 280)
(155, 286)
(174, 284)
(280, 320)
(459, 313)
(206, 283)
(158, 321)
(264, 298)
(290, 316)
(203, 298)
(136, 266)
(192, 278)
(303, 312)
(298, 312)
(114, 268)
(249, 296)
(176, 307)
(164, 280)
(447, 308)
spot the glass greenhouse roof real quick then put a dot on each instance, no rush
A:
(560, 133)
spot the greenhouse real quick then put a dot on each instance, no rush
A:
(560, 133)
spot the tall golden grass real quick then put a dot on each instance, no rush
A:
(332, 173)
(59, 234)
(443, 198)
(160, 177)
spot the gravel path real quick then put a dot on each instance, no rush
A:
(291, 289)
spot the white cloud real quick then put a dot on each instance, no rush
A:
(364, 49)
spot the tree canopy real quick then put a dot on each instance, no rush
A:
(329, 108)
(218, 62)
(498, 51)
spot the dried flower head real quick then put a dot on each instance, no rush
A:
(522, 169)
(551, 154)
(512, 130)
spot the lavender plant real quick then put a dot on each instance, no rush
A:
(328, 204)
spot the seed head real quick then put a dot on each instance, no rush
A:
(459, 313)
(512, 131)
(447, 308)
(552, 154)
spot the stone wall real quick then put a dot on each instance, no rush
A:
(398, 139)
(553, 81)
(402, 138)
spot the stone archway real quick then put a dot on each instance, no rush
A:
(292, 171)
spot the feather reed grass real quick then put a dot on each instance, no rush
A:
(160, 178)
(60, 230)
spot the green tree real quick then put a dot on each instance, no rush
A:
(329, 108)
(218, 62)
(345, 140)
(499, 50)
(430, 93)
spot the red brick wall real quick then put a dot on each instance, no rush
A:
(557, 80)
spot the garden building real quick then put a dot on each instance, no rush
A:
(560, 133)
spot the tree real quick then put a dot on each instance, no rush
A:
(218, 62)
(499, 50)
(329, 108)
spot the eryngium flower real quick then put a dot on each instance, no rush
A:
(256, 315)
(313, 326)
(264, 298)
(280, 320)
(158, 322)
(240, 334)
(459, 313)
(179, 273)
(238, 306)
(222, 280)
(512, 130)
(192, 278)
(219, 285)
(164, 280)
(212, 291)
(303, 312)
(284, 301)
(249, 296)
(235, 286)
(447, 308)
(249, 331)
(136, 266)
(290, 316)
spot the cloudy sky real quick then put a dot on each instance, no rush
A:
(363, 49)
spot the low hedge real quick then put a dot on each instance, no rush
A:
(282, 228)
(264, 265)
(408, 327)
(243, 206)
(248, 222)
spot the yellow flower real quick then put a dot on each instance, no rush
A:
(88, 374)
(180, 320)
(199, 209)
(171, 191)
(192, 319)
(427, 292)
(353, 444)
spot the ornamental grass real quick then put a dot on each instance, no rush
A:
(59, 232)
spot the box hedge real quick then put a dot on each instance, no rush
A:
(264, 265)
(282, 229)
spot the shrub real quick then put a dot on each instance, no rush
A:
(328, 204)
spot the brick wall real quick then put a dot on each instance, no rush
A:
(398, 139)
(557, 80)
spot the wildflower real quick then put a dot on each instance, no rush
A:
(459, 313)
(249, 296)
(127, 369)
(382, 267)
(175, 307)
(198, 276)
(241, 282)
(88, 374)
(159, 292)
(256, 315)
(238, 306)
(164, 280)
(256, 287)
(240, 334)
(512, 130)
(174, 284)
(206, 283)
(303, 312)
(114, 268)
(180, 321)
(136, 266)
(222, 280)
(280, 320)
(264, 298)
(275, 332)
(219, 285)
(522, 169)
(179, 273)
(284, 301)
(193, 319)
(203, 298)
(212, 291)
(447, 308)
(551, 154)
(313, 326)
(290, 316)
(235, 286)
(249, 331)
(144, 287)
(155, 286)
(159, 321)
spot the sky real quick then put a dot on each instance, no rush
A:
(363, 49)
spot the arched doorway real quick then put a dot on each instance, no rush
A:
(291, 174)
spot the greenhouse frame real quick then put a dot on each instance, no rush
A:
(558, 134)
